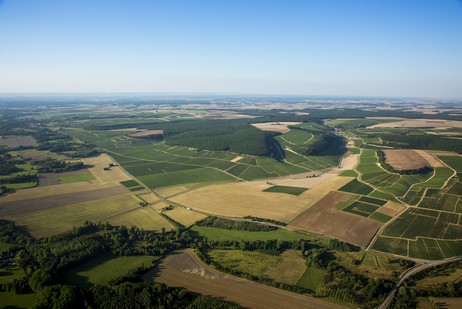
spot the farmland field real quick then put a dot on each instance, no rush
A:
(338, 224)
(67, 216)
(145, 218)
(284, 189)
(104, 268)
(184, 216)
(403, 159)
(286, 268)
(183, 269)
(244, 199)
(324, 219)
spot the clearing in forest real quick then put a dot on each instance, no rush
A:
(281, 127)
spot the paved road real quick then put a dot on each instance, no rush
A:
(410, 273)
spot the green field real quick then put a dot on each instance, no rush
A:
(105, 267)
(285, 189)
(356, 187)
(287, 267)
(454, 162)
(157, 164)
(380, 217)
(130, 183)
(11, 300)
(349, 173)
(311, 278)
(76, 178)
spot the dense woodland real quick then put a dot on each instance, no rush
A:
(44, 261)
(234, 225)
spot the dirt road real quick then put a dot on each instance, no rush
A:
(184, 269)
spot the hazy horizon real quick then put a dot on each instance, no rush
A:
(302, 48)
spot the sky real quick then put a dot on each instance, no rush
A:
(407, 48)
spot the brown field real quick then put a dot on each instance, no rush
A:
(431, 159)
(184, 269)
(146, 133)
(115, 175)
(247, 198)
(324, 219)
(391, 209)
(281, 127)
(184, 216)
(404, 159)
(15, 207)
(420, 123)
(14, 142)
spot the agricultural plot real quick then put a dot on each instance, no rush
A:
(431, 234)
(16, 141)
(248, 199)
(356, 187)
(405, 159)
(143, 217)
(76, 178)
(65, 217)
(324, 218)
(285, 189)
(159, 165)
(454, 162)
(104, 268)
(287, 267)
(184, 216)
(183, 269)
(312, 278)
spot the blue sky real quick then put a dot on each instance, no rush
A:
(319, 47)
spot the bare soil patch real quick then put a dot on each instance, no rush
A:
(143, 133)
(236, 159)
(348, 163)
(420, 123)
(431, 159)
(184, 269)
(14, 142)
(324, 219)
(391, 209)
(281, 127)
(405, 159)
(52, 201)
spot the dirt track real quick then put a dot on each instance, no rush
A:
(184, 269)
